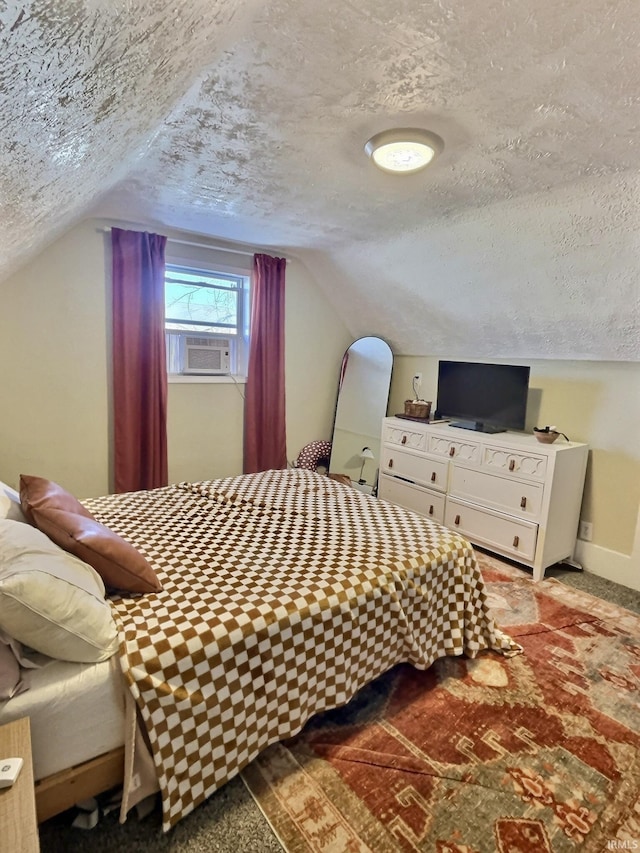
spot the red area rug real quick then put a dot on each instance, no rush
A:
(535, 753)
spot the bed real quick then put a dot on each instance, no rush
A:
(283, 593)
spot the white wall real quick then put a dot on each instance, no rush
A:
(552, 275)
(550, 280)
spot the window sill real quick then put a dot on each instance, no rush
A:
(181, 378)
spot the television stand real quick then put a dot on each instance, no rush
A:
(478, 426)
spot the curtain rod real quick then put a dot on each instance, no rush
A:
(198, 245)
(210, 246)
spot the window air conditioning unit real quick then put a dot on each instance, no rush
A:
(206, 355)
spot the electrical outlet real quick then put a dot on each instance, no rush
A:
(417, 380)
(585, 531)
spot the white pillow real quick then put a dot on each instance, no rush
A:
(50, 600)
(10, 503)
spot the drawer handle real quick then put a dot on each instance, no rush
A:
(516, 541)
(512, 464)
(404, 439)
(456, 520)
(391, 463)
(523, 502)
(433, 476)
(431, 510)
(452, 451)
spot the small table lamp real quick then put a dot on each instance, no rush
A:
(365, 453)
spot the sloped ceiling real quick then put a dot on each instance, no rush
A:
(246, 121)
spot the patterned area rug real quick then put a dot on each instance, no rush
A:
(535, 753)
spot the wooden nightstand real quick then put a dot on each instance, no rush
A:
(18, 803)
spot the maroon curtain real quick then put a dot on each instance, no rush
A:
(265, 442)
(139, 361)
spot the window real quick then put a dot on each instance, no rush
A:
(206, 321)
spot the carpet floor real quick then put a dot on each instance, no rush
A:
(231, 822)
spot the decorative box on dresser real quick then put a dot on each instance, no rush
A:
(506, 492)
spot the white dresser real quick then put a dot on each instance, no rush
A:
(506, 492)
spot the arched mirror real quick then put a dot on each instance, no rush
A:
(363, 395)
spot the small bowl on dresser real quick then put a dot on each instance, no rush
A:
(546, 437)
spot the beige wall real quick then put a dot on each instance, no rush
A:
(594, 402)
(205, 421)
(55, 395)
(54, 375)
(53, 366)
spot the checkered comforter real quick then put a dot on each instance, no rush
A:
(284, 593)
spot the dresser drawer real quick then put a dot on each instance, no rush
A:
(517, 497)
(412, 497)
(419, 469)
(510, 536)
(409, 438)
(504, 460)
(455, 448)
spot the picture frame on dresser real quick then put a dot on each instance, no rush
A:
(505, 492)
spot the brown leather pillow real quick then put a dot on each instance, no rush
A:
(67, 523)
(38, 492)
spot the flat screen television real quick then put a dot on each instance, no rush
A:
(486, 397)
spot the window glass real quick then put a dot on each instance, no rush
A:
(206, 321)
(203, 300)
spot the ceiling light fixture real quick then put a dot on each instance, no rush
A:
(404, 150)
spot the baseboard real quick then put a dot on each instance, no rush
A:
(612, 565)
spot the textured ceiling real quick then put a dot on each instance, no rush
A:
(247, 120)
